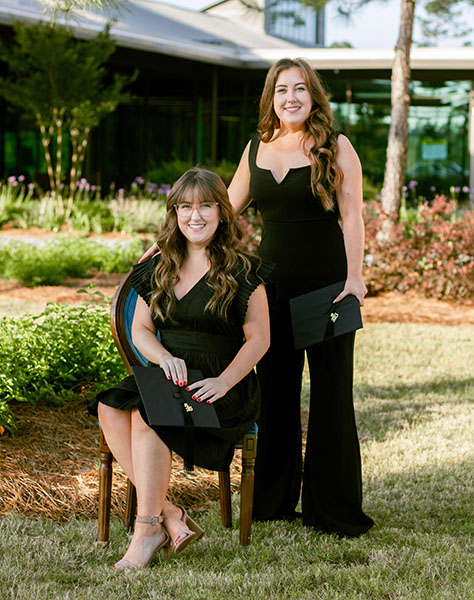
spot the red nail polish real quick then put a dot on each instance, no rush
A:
(208, 401)
(176, 382)
(199, 400)
(169, 376)
(194, 397)
(187, 389)
(185, 382)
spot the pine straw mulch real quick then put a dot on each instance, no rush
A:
(50, 467)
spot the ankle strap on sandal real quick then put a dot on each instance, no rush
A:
(154, 520)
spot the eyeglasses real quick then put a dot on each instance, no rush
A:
(204, 209)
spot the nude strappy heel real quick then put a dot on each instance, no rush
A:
(199, 531)
(163, 542)
(191, 532)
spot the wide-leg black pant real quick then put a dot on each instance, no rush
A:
(332, 482)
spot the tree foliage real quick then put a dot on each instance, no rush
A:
(59, 81)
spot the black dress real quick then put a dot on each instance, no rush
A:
(307, 246)
(208, 343)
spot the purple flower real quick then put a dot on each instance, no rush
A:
(21, 178)
(412, 184)
(404, 188)
(31, 186)
(121, 192)
(139, 180)
(457, 189)
(433, 188)
(151, 186)
(11, 179)
(134, 185)
(465, 189)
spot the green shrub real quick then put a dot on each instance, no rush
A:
(371, 191)
(138, 215)
(224, 169)
(46, 357)
(168, 172)
(13, 195)
(56, 260)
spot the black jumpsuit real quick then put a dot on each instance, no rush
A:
(306, 244)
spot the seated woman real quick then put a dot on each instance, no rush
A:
(206, 298)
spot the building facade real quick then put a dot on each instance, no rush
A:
(201, 74)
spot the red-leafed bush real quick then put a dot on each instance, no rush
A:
(250, 223)
(433, 253)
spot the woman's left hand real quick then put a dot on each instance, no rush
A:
(209, 390)
(354, 286)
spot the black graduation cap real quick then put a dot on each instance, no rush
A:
(168, 404)
(315, 317)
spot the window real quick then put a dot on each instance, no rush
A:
(292, 21)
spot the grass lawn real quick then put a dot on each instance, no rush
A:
(414, 394)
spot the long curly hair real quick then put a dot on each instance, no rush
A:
(326, 176)
(225, 250)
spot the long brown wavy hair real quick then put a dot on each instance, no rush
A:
(326, 176)
(225, 250)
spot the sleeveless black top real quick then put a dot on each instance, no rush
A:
(303, 240)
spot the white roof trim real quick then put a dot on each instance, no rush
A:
(369, 59)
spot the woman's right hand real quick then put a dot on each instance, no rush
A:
(174, 369)
(150, 252)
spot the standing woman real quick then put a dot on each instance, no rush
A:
(306, 181)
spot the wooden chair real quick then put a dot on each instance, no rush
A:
(122, 312)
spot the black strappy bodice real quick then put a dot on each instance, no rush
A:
(299, 236)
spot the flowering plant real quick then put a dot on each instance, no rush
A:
(432, 253)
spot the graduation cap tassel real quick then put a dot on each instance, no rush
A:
(188, 438)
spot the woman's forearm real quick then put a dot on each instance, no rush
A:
(353, 231)
(245, 359)
(149, 345)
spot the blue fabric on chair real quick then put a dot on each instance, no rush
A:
(253, 430)
(128, 313)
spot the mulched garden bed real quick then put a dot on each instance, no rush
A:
(50, 467)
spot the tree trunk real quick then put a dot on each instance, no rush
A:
(46, 135)
(58, 117)
(398, 134)
(79, 145)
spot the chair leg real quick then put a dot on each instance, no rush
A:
(249, 453)
(224, 497)
(105, 491)
(130, 506)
